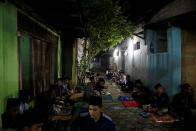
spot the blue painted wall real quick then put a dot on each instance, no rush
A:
(165, 68)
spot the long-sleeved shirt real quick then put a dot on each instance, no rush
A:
(86, 123)
(161, 101)
(181, 101)
(23, 107)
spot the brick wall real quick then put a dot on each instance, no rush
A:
(189, 58)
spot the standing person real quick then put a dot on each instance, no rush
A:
(160, 100)
(95, 120)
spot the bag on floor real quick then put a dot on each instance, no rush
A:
(124, 98)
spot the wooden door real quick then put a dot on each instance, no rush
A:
(43, 67)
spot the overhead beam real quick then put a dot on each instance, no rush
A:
(138, 35)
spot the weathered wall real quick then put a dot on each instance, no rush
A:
(189, 57)
(132, 62)
(100, 62)
(165, 68)
(8, 54)
(79, 46)
(111, 63)
(136, 59)
(118, 59)
(96, 64)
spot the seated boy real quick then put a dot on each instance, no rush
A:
(122, 79)
(139, 87)
(160, 101)
(100, 85)
(45, 101)
(32, 121)
(66, 86)
(129, 84)
(25, 98)
(140, 93)
(183, 102)
(95, 120)
(11, 119)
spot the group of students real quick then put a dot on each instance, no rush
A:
(95, 84)
(119, 77)
(158, 102)
(29, 113)
(180, 106)
(24, 115)
(21, 114)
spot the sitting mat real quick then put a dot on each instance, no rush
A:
(163, 118)
(107, 97)
(114, 85)
(130, 103)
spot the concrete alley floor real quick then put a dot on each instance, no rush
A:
(129, 119)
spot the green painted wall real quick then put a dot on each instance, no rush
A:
(8, 54)
(25, 59)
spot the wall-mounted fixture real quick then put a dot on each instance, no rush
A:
(116, 52)
(126, 53)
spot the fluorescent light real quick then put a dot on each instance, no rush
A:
(126, 53)
(115, 54)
